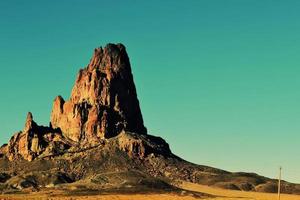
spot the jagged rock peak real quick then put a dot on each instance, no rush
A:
(103, 109)
(29, 124)
(35, 141)
(112, 56)
(29, 117)
(103, 101)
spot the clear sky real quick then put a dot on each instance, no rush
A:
(219, 80)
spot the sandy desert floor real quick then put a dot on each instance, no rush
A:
(235, 195)
(219, 193)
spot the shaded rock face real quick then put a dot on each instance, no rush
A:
(103, 101)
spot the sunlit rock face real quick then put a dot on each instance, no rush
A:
(35, 141)
(103, 101)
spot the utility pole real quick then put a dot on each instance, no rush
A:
(279, 184)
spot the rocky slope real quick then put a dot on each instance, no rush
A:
(97, 141)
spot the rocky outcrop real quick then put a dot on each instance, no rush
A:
(35, 141)
(141, 146)
(3, 150)
(103, 102)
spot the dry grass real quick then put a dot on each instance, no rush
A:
(220, 193)
(234, 195)
(103, 197)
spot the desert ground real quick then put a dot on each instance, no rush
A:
(216, 194)
(222, 194)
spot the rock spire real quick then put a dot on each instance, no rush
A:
(103, 101)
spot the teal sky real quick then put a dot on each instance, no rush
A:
(219, 80)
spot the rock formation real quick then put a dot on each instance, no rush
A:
(103, 102)
(34, 141)
(97, 139)
(102, 105)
